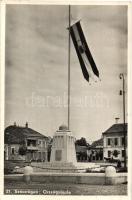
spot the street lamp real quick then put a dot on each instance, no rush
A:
(122, 92)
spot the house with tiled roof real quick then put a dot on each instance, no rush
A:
(96, 149)
(98, 144)
(24, 142)
(81, 153)
(113, 141)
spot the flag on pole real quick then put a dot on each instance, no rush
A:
(87, 63)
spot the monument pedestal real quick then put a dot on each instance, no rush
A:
(63, 154)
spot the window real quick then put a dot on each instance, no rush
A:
(116, 141)
(108, 141)
(31, 143)
(109, 153)
(44, 144)
(39, 142)
(123, 153)
(126, 141)
(12, 150)
(122, 141)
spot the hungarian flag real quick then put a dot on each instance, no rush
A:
(87, 63)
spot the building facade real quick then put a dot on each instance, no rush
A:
(25, 143)
(82, 153)
(113, 142)
(90, 153)
(96, 149)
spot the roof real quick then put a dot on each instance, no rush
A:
(116, 128)
(97, 143)
(17, 134)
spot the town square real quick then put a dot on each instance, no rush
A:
(66, 97)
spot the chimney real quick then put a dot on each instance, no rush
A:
(116, 120)
(26, 125)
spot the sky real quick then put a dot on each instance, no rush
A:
(36, 68)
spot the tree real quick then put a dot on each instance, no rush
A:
(82, 142)
(22, 150)
(115, 153)
(50, 142)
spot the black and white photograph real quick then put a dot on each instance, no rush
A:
(66, 100)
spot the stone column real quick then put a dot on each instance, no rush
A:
(110, 175)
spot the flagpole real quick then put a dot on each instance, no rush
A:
(69, 75)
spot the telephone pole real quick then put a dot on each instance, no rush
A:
(122, 92)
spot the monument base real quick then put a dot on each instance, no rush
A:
(63, 166)
(63, 153)
(63, 147)
(55, 167)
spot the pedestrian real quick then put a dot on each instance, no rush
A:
(118, 164)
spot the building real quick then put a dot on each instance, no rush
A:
(96, 150)
(82, 148)
(24, 143)
(113, 142)
(81, 153)
(90, 153)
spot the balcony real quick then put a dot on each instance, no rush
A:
(32, 144)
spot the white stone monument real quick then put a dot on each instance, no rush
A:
(63, 147)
